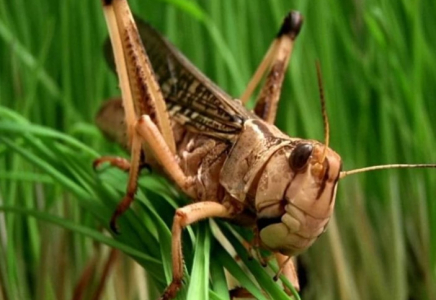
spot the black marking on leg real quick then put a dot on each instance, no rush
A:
(291, 25)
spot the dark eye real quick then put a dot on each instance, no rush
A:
(300, 156)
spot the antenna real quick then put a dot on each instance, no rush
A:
(323, 110)
(383, 167)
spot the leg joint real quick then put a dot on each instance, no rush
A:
(180, 217)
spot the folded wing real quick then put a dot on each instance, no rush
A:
(193, 100)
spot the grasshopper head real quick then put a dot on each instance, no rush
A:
(296, 195)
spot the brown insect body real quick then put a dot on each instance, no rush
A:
(228, 154)
(252, 174)
(233, 163)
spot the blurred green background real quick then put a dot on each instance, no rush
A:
(379, 75)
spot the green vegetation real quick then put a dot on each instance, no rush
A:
(379, 76)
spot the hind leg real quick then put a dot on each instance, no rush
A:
(274, 63)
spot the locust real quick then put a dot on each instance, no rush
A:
(232, 162)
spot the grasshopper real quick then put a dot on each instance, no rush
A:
(234, 163)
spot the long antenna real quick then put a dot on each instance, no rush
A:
(323, 110)
(382, 167)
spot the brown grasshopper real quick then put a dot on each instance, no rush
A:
(234, 163)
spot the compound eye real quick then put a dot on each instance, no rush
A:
(300, 156)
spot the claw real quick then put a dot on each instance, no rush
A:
(121, 208)
(262, 260)
(96, 163)
(171, 291)
(113, 224)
